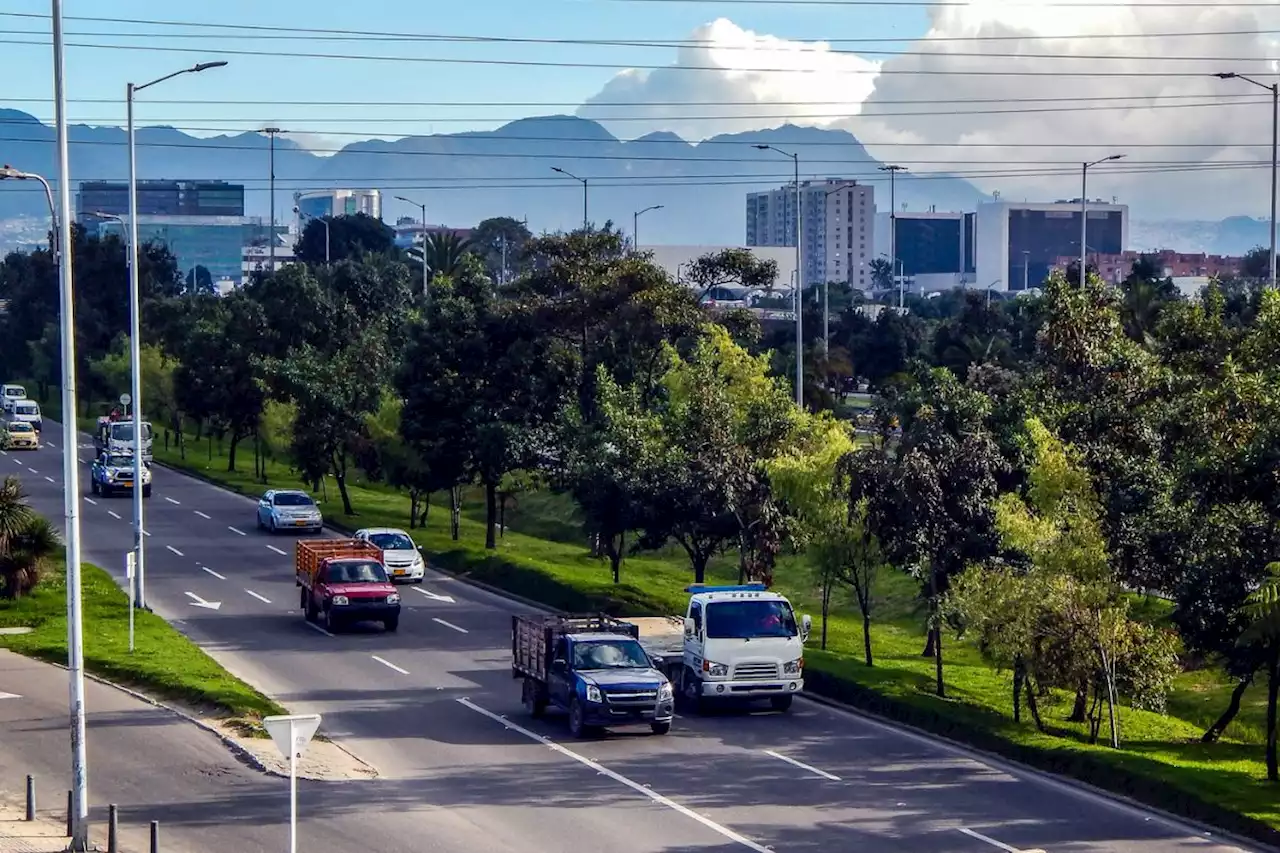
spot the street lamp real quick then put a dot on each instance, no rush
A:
(893, 230)
(583, 181)
(1274, 89)
(323, 220)
(1084, 210)
(271, 133)
(135, 321)
(635, 224)
(426, 291)
(9, 173)
(799, 289)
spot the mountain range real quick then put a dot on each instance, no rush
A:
(466, 177)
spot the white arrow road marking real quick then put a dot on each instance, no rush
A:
(389, 664)
(451, 625)
(202, 515)
(277, 550)
(233, 530)
(261, 598)
(90, 501)
(172, 501)
(824, 774)
(9, 696)
(197, 601)
(112, 513)
(433, 596)
(175, 550)
(215, 574)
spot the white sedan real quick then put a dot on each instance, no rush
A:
(403, 558)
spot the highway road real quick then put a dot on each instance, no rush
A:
(435, 709)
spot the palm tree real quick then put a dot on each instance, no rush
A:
(27, 540)
(445, 251)
(1262, 608)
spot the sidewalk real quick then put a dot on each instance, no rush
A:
(18, 836)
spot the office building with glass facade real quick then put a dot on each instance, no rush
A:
(1019, 243)
(161, 198)
(317, 204)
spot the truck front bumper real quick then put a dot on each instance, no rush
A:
(606, 715)
(752, 689)
(364, 612)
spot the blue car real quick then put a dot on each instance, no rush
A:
(288, 509)
(113, 472)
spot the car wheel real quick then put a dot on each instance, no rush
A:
(330, 621)
(391, 624)
(271, 526)
(93, 486)
(146, 491)
(660, 728)
(577, 719)
(104, 490)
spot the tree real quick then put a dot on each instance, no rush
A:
(881, 274)
(1257, 264)
(1263, 612)
(114, 370)
(445, 251)
(730, 267)
(350, 237)
(402, 464)
(199, 280)
(500, 243)
(27, 540)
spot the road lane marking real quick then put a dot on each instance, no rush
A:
(261, 598)
(998, 844)
(215, 574)
(450, 625)
(824, 774)
(277, 550)
(435, 597)
(32, 470)
(4, 453)
(50, 479)
(389, 664)
(618, 777)
(202, 515)
(233, 530)
(146, 533)
(90, 501)
(175, 550)
(172, 501)
(112, 513)
(9, 696)
(197, 601)
(314, 627)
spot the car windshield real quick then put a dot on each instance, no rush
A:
(19, 426)
(745, 619)
(124, 432)
(15, 391)
(609, 654)
(392, 541)
(293, 499)
(26, 409)
(356, 571)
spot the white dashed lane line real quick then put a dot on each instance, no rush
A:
(50, 479)
(807, 767)
(32, 470)
(90, 501)
(390, 665)
(215, 574)
(175, 550)
(234, 530)
(112, 513)
(277, 550)
(261, 598)
(172, 501)
(314, 627)
(450, 625)
(202, 515)
(999, 845)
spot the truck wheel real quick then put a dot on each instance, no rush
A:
(691, 690)
(330, 621)
(782, 703)
(577, 719)
(391, 624)
(660, 728)
(304, 603)
(534, 705)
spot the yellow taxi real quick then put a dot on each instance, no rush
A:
(22, 436)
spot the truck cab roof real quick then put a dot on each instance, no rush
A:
(599, 638)
(746, 592)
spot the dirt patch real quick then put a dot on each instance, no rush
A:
(324, 760)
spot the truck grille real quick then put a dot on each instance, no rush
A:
(755, 671)
(632, 698)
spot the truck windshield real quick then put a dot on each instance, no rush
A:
(356, 571)
(25, 409)
(745, 619)
(609, 654)
(124, 431)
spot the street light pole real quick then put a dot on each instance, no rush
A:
(135, 322)
(426, 289)
(7, 172)
(1274, 89)
(271, 167)
(1084, 210)
(799, 288)
(635, 225)
(583, 181)
(893, 232)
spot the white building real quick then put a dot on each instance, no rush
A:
(838, 243)
(1018, 243)
(321, 203)
(674, 259)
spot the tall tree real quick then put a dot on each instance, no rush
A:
(500, 243)
(350, 237)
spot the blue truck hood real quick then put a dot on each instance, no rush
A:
(649, 678)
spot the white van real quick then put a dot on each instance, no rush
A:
(26, 411)
(10, 393)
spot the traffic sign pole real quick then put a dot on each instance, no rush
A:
(130, 573)
(299, 729)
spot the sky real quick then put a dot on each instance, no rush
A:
(1014, 94)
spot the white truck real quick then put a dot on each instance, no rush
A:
(116, 438)
(734, 642)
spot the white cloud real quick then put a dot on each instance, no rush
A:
(838, 78)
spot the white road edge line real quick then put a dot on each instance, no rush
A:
(215, 574)
(202, 515)
(172, 501)
(261, 598)
(277, 550)
(450, 625)
(824, 774)
(618, 777)
(50, 479)
(233, 530)
(390, 665)
(985, 840)
(314, 627)
(90, 501)
(112, 513)
(175, 550)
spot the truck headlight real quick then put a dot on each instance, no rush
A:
(593, 694)
(665, 692)
(793, 667)
(340, 600)
(715, 670)
(393, 598)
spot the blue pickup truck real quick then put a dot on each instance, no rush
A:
(592, 667)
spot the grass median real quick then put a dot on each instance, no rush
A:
(164, 664)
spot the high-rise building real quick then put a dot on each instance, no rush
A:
(838, 228)
(936, 250)
(321, 203)
(1018, 243)
(161, 198)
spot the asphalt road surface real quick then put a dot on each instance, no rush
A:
(435, 709)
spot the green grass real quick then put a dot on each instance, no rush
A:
(543, 556)
(164, 663)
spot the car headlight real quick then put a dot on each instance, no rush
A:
(593, 694)
(793, 667)
(393, 598)
(665, 691)
(339, 600)
(715, 670)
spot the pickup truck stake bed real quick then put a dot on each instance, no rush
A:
(344, 581)
(594, 668)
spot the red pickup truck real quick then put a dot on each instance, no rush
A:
(344, 581)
